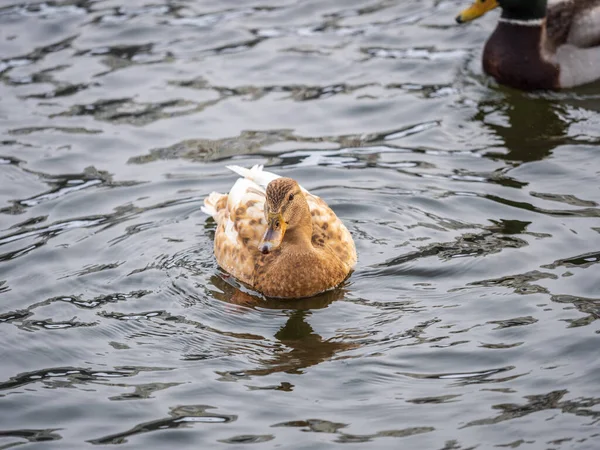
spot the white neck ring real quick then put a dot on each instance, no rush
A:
(525, 23)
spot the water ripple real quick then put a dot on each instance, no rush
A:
(474, 210)
(181, 416)
(32, 435)
(73, 375)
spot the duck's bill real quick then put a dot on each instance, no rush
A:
(274, 234)
(477, 9)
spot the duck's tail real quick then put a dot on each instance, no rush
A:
(210, 204)
(256, 174)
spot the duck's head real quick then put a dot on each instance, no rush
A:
(286, 210)
(523, 10)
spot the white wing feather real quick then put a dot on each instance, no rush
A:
(257, 174)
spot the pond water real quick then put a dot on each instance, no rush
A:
(471, 318)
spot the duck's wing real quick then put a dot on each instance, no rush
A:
(573, 22)
(329, 231)
(585, 30)
(240, 227)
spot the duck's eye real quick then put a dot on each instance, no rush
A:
(291, 197)
(277, 224)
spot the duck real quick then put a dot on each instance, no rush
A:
(541, 45)
(277, 238)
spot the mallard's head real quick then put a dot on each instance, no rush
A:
(511, 9)
(285, 209)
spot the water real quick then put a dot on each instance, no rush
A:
(470, 321)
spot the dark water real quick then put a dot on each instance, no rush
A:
(470, 321)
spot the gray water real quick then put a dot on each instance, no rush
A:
(470, 321)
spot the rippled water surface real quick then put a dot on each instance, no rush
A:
(471, 320)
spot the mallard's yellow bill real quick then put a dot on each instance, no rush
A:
(477, 9)
(274, 234)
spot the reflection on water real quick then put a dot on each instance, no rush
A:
(470, 321)
(529, 128)
(306, 348)
(301, 346)
(182, 416)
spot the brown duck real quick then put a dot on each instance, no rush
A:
(539, 44)
(277, 238)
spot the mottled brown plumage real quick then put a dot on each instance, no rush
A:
(282, 241)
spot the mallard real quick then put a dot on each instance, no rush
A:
(541, 46)
(277, 238)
